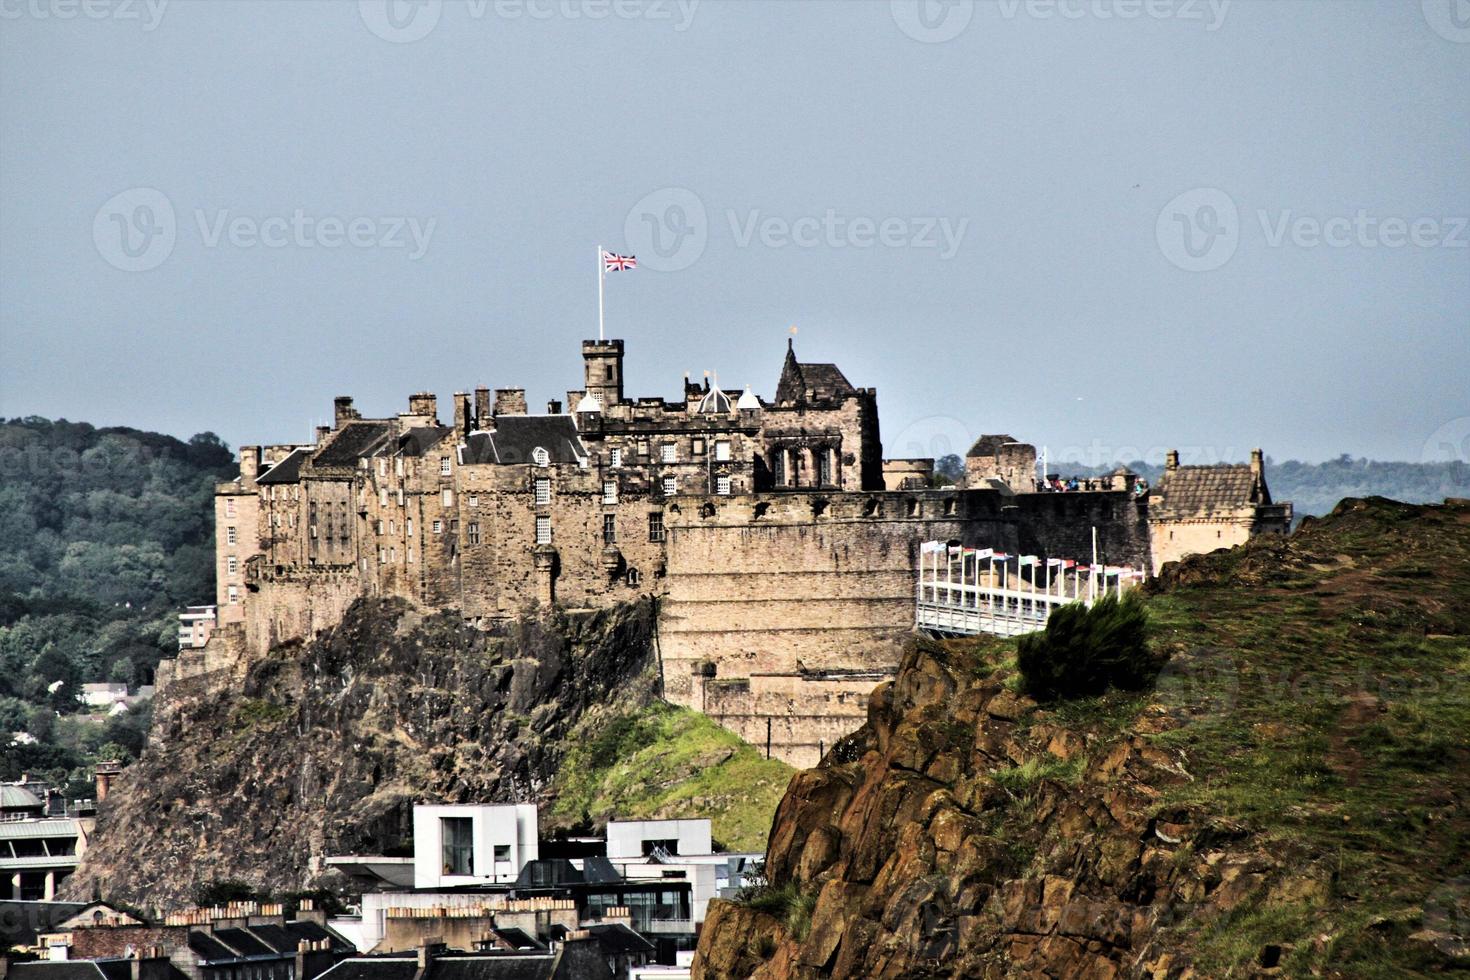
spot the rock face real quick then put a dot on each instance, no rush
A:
(1314, 706)
(326, 746)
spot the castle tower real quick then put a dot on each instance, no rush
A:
(603, 362)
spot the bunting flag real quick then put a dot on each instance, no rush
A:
(1027, 560)
(1054, 563)
(1001, 556)
(987, 553)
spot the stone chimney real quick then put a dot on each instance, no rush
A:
(482, 408)
(249, 463)
(1171, 461)
(149, 963)
(342, 411)
(103, 776)
(1258, 463)
(322, 431)
(510, 401)
(461, 413)
(553, 407)
(423, 404)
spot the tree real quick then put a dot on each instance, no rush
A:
(1085, 651)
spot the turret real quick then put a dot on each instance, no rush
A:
(603, 370)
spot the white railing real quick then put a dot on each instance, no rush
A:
(970, 590)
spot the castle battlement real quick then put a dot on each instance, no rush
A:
(783, 545)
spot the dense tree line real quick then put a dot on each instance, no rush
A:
(104, 535)
(1314, 488)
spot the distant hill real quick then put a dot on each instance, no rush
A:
(1316, 488)
(104, 534)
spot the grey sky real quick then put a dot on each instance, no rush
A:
(1002, 253)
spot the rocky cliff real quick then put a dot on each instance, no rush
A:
(326, 745)
(1289, 800)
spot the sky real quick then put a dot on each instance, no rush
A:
(1107, 227)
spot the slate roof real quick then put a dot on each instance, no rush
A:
(352, 442)
(516, 437)
(208, 948)
(1202, 491)
(988, 445)
(487, 966)
(287, 470)
(243, 942)
(112, 969)
(615, 937)
(519, 939)
(824, 380)
(416, 442)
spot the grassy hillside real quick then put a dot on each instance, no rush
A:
(661, 761)
(1288, 799)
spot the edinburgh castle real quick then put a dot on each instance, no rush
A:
(780, 544)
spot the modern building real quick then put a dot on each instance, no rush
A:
(42, 838)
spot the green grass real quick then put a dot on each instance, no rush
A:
(789, 903)
(661, 761)
(1019, 779)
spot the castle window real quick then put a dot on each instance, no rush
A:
(540, 456)
(824, 467)
(382, 556)
(382, 466)
(233, 564)
(656, 526)
(383, 497)
(229, 506)
(913, 508)
(778, 467)
(543, 530)
(543, 492)
(443, 465)
(410, 555)
(722, 485)
(446, 497)
(668, 453)
(696, 446)
(633, 576)
(398, 466)
(234, 594)
(410, 527)
(643, 447)
(615, 458)
(670, 486)
(607, 373)
(473, 500)
(473, 532)
(722, 451)
(400, 496)
(230, 534)
(438, 527)
(380, 525)
(609, 529)
(609, 492)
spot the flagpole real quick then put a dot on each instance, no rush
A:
(601, 278)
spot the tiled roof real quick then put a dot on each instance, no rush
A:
(287, 470)
(1202, 491)
(352, 442)
(516, 438)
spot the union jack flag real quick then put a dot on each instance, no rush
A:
(612, 262)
